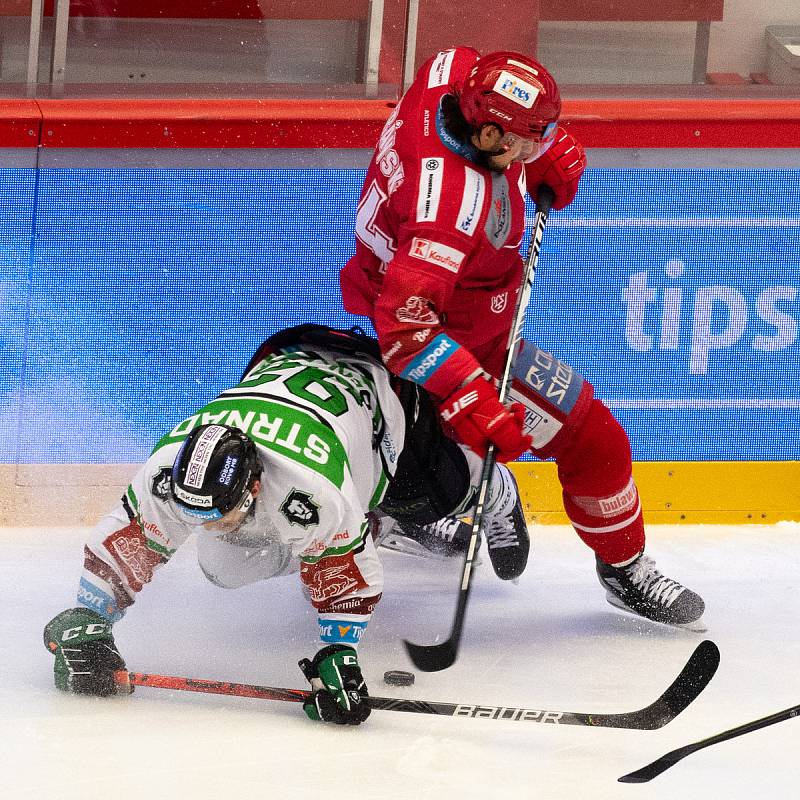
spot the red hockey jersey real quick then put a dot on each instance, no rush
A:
(437, 263)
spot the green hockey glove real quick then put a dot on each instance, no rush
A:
(339, 690)
(86, 656)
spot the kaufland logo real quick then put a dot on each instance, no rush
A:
(436, 253)
(521, 92)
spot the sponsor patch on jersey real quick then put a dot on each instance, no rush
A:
(439, 74)
(430, 359)
(332, 577)
(552, 380)
(471, 201)
(430, 189)
(341, 632)
(540, 425)
(300, 509)
(421, 336)
(129, 549)
(392, 351)
(436, 253)
(498, 220)
(515, 89)
(622, 502)
(351, 605)
(104, 572)
(95, 598)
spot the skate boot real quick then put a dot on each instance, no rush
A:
(504, 526)
(639, 587)
(444, 538)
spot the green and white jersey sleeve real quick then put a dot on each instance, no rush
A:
(134, 539)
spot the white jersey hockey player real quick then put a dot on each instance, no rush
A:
(276, 475)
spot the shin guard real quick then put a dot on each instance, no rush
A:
(600, 495)
(591, 450)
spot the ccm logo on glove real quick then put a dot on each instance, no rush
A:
(89, 630)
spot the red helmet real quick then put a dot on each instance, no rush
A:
(512, 91)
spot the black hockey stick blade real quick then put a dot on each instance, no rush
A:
(693, 678)
(662, 764)
(433, 657)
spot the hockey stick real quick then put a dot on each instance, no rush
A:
(693, 678)
(434, 657)
(666, 761)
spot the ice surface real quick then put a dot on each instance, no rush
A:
(551, 642)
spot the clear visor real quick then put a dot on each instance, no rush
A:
(528, 150)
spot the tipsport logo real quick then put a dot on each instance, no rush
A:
(662, 315)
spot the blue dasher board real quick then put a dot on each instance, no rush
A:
(131, 296)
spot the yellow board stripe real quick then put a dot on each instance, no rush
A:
(712, 492)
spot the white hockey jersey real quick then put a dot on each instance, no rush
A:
(328, 430)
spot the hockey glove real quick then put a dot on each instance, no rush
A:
(338, 686)
(86, 656)
(480, 419)
(560, 168)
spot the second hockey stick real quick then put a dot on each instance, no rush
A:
(674, 756)
(435, 657)
(693, 678)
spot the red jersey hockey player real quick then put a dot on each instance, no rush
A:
(437, 267)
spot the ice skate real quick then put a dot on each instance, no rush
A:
(444, 538)
(504, 529)
(640, 588)
(504, 526)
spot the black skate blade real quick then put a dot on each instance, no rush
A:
(431, 658)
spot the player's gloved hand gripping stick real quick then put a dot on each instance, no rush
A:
(86, 657)
(431, 658)
(338, 688)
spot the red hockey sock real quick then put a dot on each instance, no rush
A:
(600, 496)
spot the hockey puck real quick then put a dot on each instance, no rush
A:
(397, 677)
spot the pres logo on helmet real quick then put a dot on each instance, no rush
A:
(513, 91)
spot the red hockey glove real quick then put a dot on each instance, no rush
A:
(560, 168)
(480, 419)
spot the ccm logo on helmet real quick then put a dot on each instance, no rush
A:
(521, 92)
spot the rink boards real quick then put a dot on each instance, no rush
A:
(132, 294)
